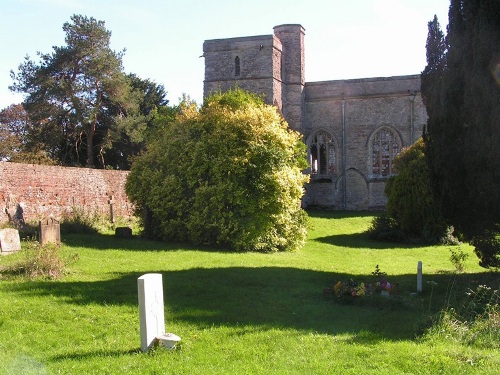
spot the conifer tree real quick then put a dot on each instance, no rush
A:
(463, 129)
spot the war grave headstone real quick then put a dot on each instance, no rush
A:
(151, 313)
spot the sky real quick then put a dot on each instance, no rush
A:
(163, 39)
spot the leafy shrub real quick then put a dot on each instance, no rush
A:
(475, 323)
(412, 211)
(38, 261)
(384, 228)
(228, 176)
(487, 248)
(78, 221)
(458, 258)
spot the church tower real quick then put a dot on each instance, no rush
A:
(272, 65)
(292, 73)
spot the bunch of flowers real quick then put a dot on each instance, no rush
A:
(352, 288)
(383, 284)
(358, 289)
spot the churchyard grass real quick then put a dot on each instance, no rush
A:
(241, 313)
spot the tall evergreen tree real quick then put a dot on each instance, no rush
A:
(463, 130)
(74, 92)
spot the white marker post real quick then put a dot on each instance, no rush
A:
(151, 312)
(419, 277)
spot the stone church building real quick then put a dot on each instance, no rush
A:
(353, 128)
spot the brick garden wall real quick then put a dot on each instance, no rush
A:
(38, 191)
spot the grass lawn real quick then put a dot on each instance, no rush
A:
(241, 313)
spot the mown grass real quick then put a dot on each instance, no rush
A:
(241, 313)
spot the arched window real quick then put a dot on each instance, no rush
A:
(322, 155)
(385, 147)
(237, 66)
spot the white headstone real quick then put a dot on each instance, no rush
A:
(151, 312)
(419, 277)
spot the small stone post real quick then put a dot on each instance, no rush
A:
(151, 312)
(419, 277)
(111, 201)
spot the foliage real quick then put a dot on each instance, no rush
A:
(385, 228)
(487, 248)
(14, 123)
(458, 258)
(76, 95)
(475, 323)
(411, 200)
(131, 134)
(378, 272)
(460, 87)
(38, 261)
(226, 176)
(79, 221)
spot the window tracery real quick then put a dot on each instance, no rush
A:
(322, 155)
(385, 147)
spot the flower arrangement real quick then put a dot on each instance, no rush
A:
(383, 284)
(354, 288)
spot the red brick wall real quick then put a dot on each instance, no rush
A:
(42, 190)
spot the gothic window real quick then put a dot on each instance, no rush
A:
(385, 147)
(237, 66)
(322, 155)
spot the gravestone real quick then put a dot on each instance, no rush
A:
(9, 241)
(50, 231)
(111, 202)
(125, 232)
(151, 313)
(419, 277)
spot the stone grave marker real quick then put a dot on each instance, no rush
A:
(9, 241)
(419, 277)
(111, 202)
(125, 232)
(151, 313)
(50, 231)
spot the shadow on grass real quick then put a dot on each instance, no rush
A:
(135, 243)
(334, 214)
(270, 297)
(92, 354)
(361, 240)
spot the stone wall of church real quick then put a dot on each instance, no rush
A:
(351, 112)
(362, 107)
(259, 66)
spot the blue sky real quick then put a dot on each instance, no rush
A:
(164, 38)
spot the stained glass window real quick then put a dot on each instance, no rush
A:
(385, 147)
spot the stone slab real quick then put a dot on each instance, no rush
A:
(151, 311)
(9, 241)
(125, 232)
(50, 231)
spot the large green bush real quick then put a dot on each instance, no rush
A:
(228, 176)
(411, 201)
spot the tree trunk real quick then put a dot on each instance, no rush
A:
(90, 145)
